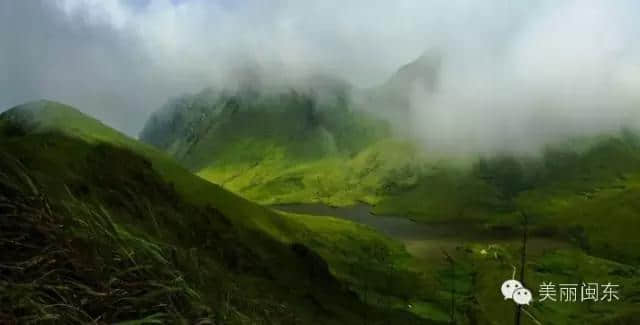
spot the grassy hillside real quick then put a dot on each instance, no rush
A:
(586, 193)
(593, 195)
(102, 228)
(46, 117)
(257, 144)
(218, 128)
(385, 167)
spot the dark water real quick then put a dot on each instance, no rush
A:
(422, 240)
(393, 226)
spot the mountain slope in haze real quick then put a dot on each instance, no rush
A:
(421, 74)
(392, 100)
(322, 142)
(102, 228)
(205, 128)
(248, 140)
(399, 180)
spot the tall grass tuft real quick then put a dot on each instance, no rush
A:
(76, 265)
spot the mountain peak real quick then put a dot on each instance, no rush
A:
(38, 112)
(424, 71)
(40, 105)
(43, 109)
(47, 115)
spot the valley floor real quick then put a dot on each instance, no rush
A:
(470, 264)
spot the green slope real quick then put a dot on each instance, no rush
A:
(253, 143)
(585, 191)
(593, 195)
(382, 168)
(120, 232)
(203, 129)
(45, 116)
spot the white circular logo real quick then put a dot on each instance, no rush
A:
(508, 288)
(522, 296)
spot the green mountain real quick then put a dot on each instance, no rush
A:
(322, 141)
(293, 148)
(97, 227)
(253, 142)
(205, 128)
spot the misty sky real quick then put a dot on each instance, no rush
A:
(513, 71)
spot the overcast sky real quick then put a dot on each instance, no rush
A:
(562, 64)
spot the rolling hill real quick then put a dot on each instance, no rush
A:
(262, 144)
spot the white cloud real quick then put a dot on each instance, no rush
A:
(515, 74)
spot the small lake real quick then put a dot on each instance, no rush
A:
(397, 227)
(421, 239)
